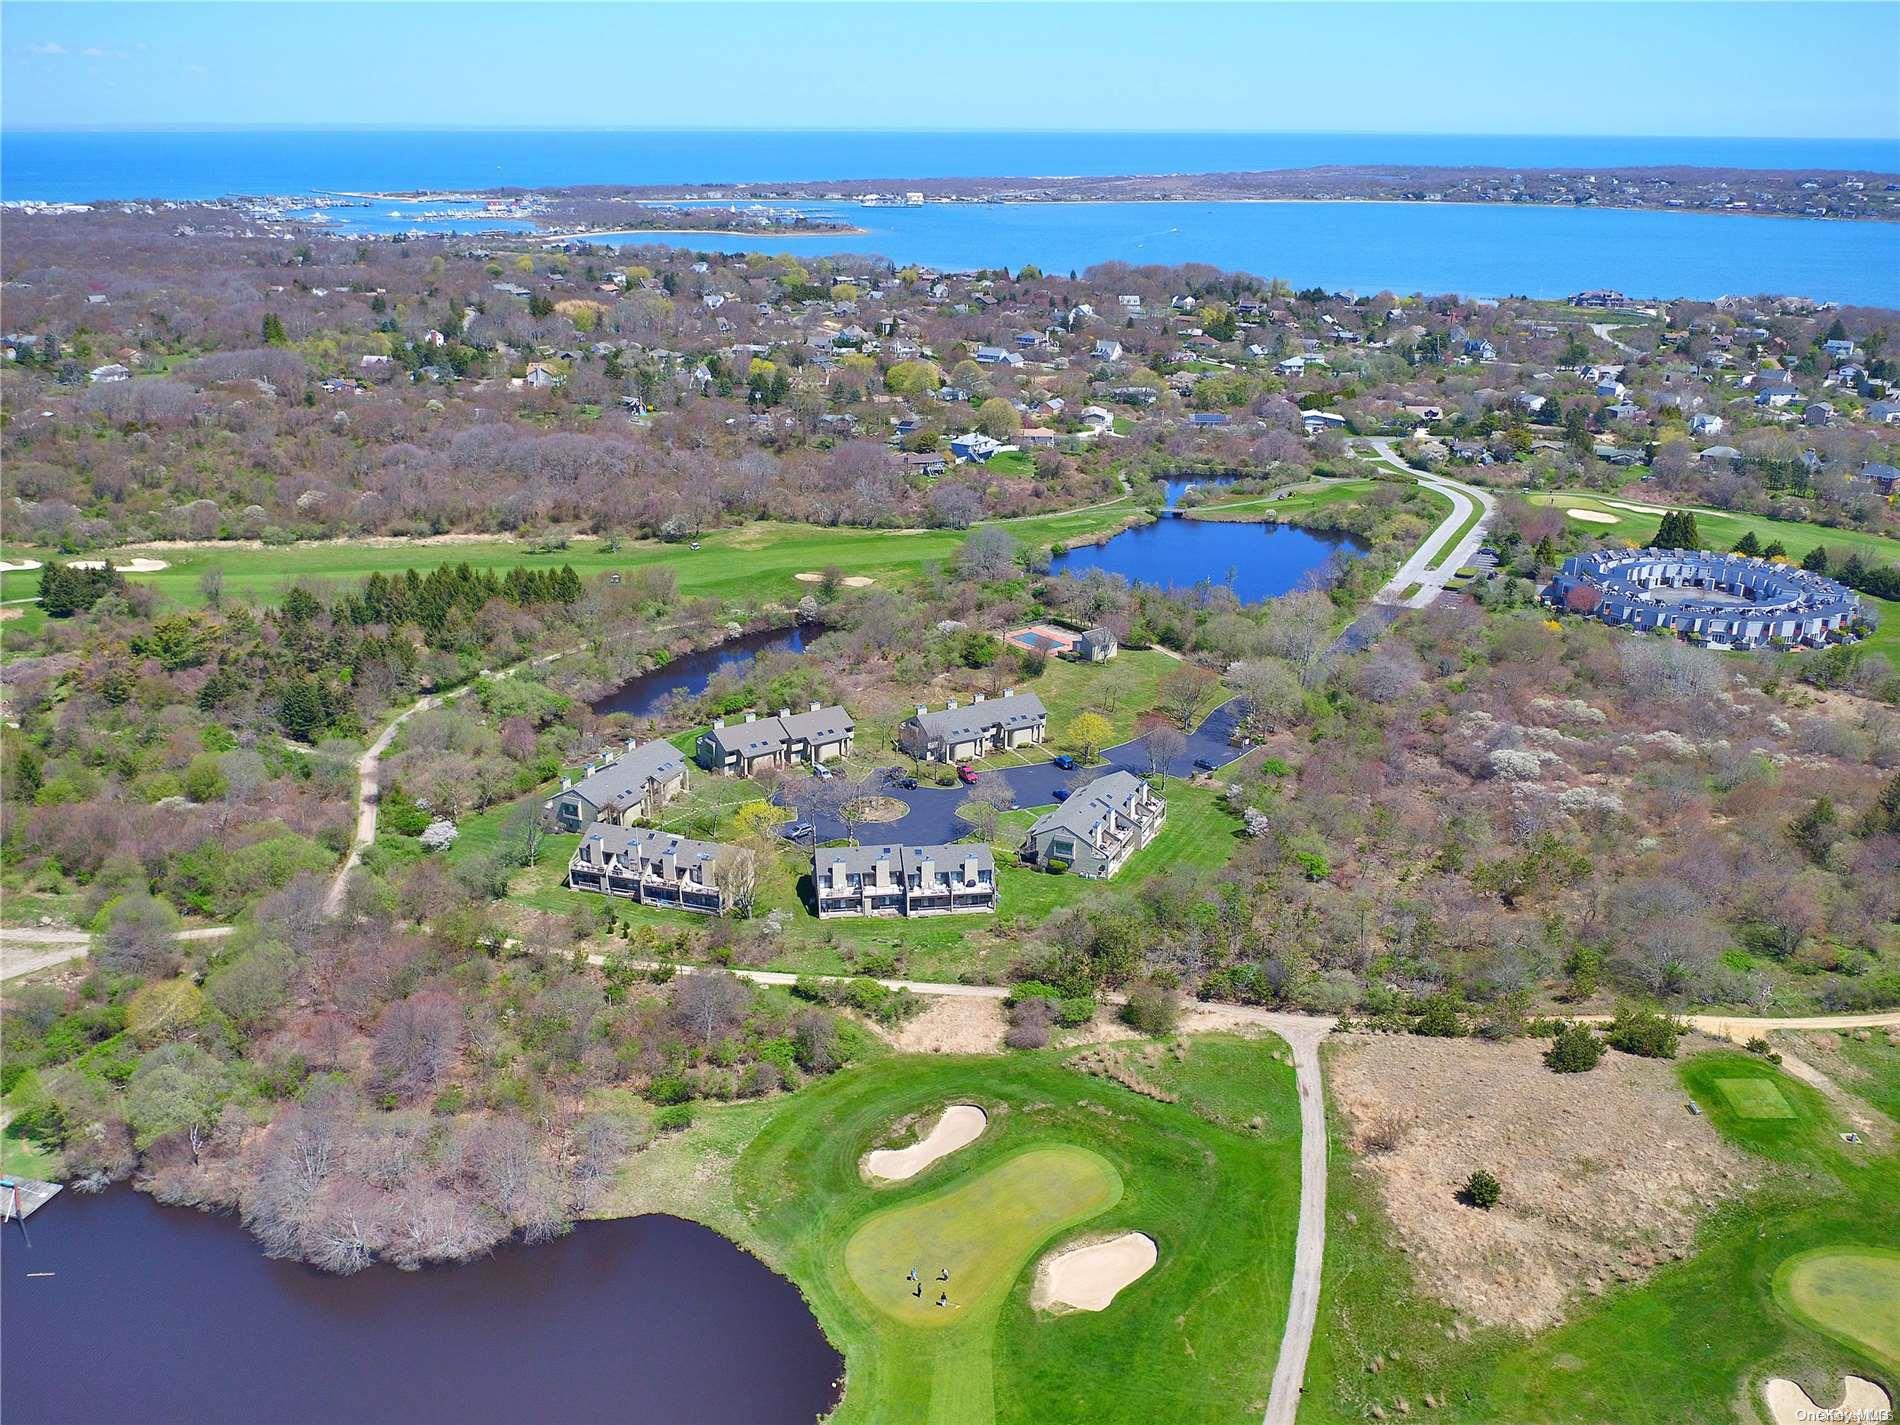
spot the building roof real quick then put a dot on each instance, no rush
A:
(1090, 805)
(1009, 712)
(641, 846)
(629, 774)
(767, 734)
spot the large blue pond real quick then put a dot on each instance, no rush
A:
(1257, 561)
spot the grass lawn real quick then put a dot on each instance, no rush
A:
(21, 1156)
(1064, 1156)
(751, 563)
(1721, 531)
(1121, 690)
(1291, 505)
(1686, 1344)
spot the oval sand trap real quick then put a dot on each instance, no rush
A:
(850, 581)
(1592, 517)
(131, 566)
(18, 566)
(960, 1125)
(1089, 1278)
(1789, 1403)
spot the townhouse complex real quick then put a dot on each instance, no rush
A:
(652, 867)
(635, 784)
(816, 735)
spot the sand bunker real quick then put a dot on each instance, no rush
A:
(850, 581)
(1788, 1403)
(1088, 1278)
(131, 566)
(960, 1125)
(1592, 517)
(18, 566)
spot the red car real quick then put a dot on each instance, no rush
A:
(966, 774)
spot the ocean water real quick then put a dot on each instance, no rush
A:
(1364, 247)
(77, 166)
(1483, 250)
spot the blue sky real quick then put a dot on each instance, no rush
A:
(1805, 70)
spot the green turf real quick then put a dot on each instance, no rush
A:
(1754, 1098)
(981, 1231)
(1851, 1294)
(1195, 1341)
(1688, 1343)
(749, 563)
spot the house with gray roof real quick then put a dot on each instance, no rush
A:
(1098, 828)
(638, 782)
(819, 734)
(652, 867)
(1098, 645)
(957, 734)
(889, 880)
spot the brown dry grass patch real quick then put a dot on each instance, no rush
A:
(1605, 1174)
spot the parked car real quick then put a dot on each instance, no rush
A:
(908, 783)
(898, 777)
(796, 830)
(1205, 764)
(966, 774)
(819, 769)
(1065, 762)
(1062, 794)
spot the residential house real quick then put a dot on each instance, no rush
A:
(1817, 413)
(1775, 394)
(1098, 645)
(819, 734)
(652, 867)
(1098, 828)
(1884, 413)
(1135, 395)
(1106, 350)
(974, 446)
(958, 734)
(996, 356)
(1887, 477)
(636, 784)
(1721, 455)
(1704, 423)
(542, 377)
(925, 462)
(1036, 438)
(903, 880)
(1206, 420)
(1316, 421)
(113, 371)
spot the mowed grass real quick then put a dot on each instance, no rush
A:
(1852, 1295)
(750, 563)
(1193, 1340)
(980, 1231)
(1754, 1098)
(1294, 503)
(1688, 1343)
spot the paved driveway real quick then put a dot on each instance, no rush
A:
(932, 819)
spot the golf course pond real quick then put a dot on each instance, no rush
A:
(690, 673)
(1258, 560)
(115, 1308)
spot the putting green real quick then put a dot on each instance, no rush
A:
(1755, 1098)
(983, 1230)
(1849, 1293)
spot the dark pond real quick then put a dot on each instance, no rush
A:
(1259, 561)
(691, 672)
(158, 1314)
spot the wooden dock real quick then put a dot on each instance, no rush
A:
(22, 1197)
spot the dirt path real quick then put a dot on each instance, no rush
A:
(25, 949)
(369, 776)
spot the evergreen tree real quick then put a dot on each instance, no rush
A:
(1775, 550)
(1748, 544)
(273, 330)
(1815, 560)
